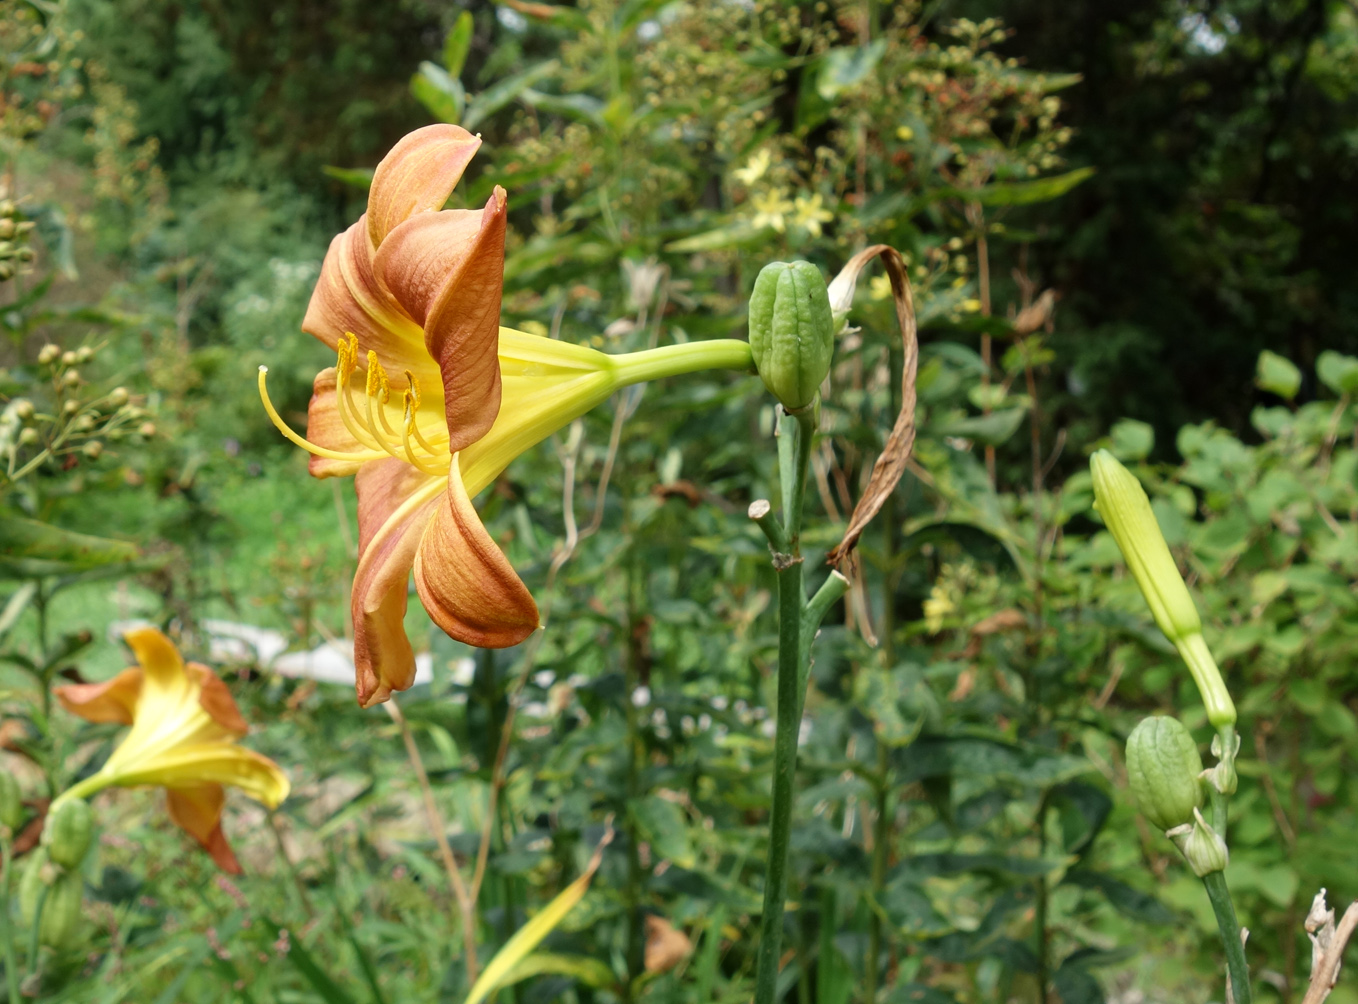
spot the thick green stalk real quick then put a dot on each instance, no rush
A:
(7, 926)
(1236, 968)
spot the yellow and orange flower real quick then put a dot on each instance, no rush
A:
(183, 738)
(430, 399)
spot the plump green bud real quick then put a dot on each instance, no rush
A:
(38, 874)
(1162, 768)
(792, 333)
(1201, 846)
(1126, 511)
(11, 803)
(68, 831)
(61, 911)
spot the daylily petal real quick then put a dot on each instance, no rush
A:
(198, 811)
(395, 502)
(466, 583)
(447, 271)
(350, 298)
(417, 175)
(159, 660)
(113, 700)
(217, 701)
(216, 763)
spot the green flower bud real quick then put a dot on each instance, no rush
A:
(61, 911)
(68, 832)
(118, 397)
(1162, 769)
(22, 408)
(1126, 511)
(11, 802)
(49, 354)
(6, 228)
(39, 873)
(1201, 846)
(792, 333)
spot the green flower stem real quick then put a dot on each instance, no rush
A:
(686, 357)
(6, 922)
(1236, 967)
(81, 789)
(35, 933)
(798, 621)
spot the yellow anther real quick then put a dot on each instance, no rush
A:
(377, 378)
(413, 391)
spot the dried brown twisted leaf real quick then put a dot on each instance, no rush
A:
(891, 464)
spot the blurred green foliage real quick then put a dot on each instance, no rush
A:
(963, 821)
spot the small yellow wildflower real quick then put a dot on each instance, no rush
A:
(938, 606)
(879, 287)
(905, 134)
(771, 209)
(754, 168)
(810, 214)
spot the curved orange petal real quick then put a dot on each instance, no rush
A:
(216, 700)
(160, 661)
(113, 700)
(447, 271)
(326, 428)
(395, 502)
(417, 175)
(349, 298)
(198, 811)
(466, 583)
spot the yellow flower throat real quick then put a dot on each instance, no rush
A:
(368, 423)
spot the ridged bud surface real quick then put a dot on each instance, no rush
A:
(792, 332)
(1163, 765)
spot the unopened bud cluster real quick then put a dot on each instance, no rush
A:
(69, 418)
(14, 235)
(51, 887)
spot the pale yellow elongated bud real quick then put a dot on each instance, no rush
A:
(1126, 511)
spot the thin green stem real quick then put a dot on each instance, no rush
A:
(880, 838)
(686, 357)
(1237, 969)
(35, 933)
(794, 446)
(6, 925)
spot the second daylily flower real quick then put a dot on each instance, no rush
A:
(430, 399)
(183, 738)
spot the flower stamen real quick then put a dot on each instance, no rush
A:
(306, 444)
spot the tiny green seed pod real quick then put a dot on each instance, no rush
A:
(1163, 765)
(68, 831)
(61, 911)
(792, 332)
(11, 803)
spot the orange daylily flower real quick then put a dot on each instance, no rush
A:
(414, 290)
(185, 724)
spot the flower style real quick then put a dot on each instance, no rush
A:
(415, 290)
(184, 730)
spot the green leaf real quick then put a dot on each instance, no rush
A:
(732, 235)
(662, 822)
(846, 67)
(310, 970)
(29, 548)
(528, 937)
(1131, 440)
(990, 430)
(439, 91)
(458, 44)
(1019, 193)
(359, 177)
(1277, 375)
(918, 993)
(580, 968)
(1338, 372)
(576, 106)
(1133, 903)
(491, 100)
